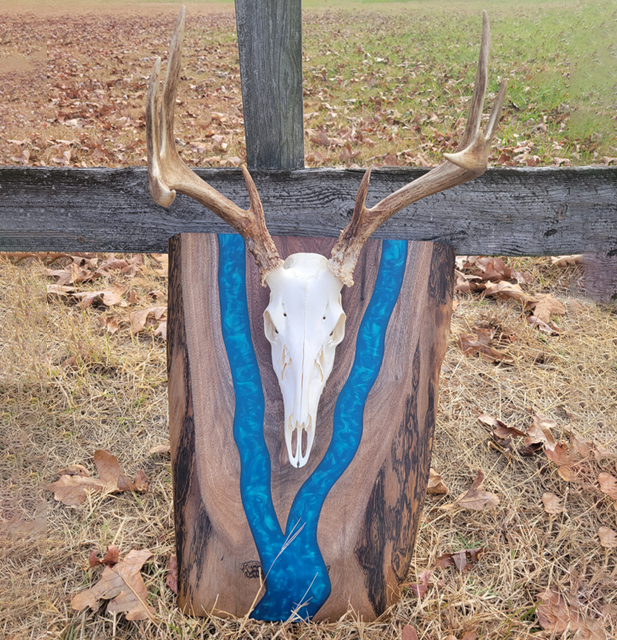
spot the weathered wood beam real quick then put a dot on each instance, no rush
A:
(270, 52)
(527, 211)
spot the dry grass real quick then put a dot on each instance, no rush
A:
(115, 398)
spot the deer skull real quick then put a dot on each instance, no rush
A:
(304, 323)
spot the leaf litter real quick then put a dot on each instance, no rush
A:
(75, 481)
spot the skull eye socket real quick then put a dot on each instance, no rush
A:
(269, 328)
(338, 333)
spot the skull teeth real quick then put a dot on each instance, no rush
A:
(299, 440)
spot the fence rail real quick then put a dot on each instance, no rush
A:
(530, 211)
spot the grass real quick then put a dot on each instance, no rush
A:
(391, 81)
(384, 83)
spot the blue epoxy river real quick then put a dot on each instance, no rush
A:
(296, 575)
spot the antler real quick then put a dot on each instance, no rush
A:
(168, 174)
(467, 163)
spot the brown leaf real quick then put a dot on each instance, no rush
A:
(475, 498)
(579, 445)
(494, 269)
(71, 489)
(470, 345)
(501, 430)
(161, 330)
(509, 291)
(552, 503)
(108, 467)
(172, 574)
(608, 484)
(540, 432)
(559, 455)
(123, 586)
(546, 307)
(111, 324)
(138, 318)
(409, 633)
(419, 589)
(160, 448)
(562, 261)
(600, 453)
(462, 560)
(436, 485)
(109, 560)
(75, 470)
(469, 635)
(555, 614)
(107, 297)
(549, 329)
(608, 537)
(321, 138)
(59, 290)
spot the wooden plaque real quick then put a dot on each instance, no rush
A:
(254, 533)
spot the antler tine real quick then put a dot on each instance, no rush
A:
(469, 162)
(167, 174)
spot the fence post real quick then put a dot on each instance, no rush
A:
(270, 48)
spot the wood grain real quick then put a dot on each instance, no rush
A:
(270, 51)
(527, 211)
(370, 518)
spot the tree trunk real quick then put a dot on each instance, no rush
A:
(352, 527)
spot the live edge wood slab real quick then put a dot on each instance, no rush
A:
(369, 519)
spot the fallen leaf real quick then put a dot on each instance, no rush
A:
(552, 504)
(555, 614)
(508, 291)
(161, 330)
(59, 290)
(172, 574)
(123, 586)
(579, 445)
(436, 485)
(71, 489)
(540, 432)
(107, 297)
(421, 586)
(562, 261)
(546, 307)
(75, 470)
(501, 429)
(469, 635)
(475, 498)
(470, 345)
(409, 633)
(110, 323)
(109, 559)
(550, 329)
(462, 560)
(138, 318)
(608, 484)
(559, 455)
(600, 453)
(608, 537)
(494, 269)
(160, 448)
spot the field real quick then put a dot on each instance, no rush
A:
(384, 84)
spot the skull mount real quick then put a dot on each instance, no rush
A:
(304, 323)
